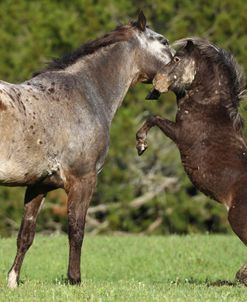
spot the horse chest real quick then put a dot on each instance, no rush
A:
(192, 125)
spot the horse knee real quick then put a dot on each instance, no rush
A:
(76, 236)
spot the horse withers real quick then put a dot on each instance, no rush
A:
(54, 127)
(208, 84)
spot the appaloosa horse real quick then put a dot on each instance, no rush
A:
(54, 127)
(208, 84)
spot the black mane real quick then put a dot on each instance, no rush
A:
(121, 33)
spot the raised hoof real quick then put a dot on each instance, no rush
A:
(141, 147)
(241, 275)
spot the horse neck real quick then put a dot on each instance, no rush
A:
(106, 77)
(214, 97)
(215, 90)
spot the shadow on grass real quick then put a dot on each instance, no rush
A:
(62, 280)
(219, 283)
(208, 283)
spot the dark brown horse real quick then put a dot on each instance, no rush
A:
(208, 84)
(54, 128)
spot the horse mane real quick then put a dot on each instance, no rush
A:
(234, 72)
(119, 34)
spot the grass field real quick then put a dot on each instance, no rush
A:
(173, 268)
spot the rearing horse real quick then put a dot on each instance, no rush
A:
(209, 85)
(54, 128)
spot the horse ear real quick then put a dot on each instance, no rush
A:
(141, 22)
(189, 46)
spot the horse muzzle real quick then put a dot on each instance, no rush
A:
(161, 83)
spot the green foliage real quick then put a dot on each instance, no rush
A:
(129, 268)
(32, 32)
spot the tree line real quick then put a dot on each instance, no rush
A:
(149, 194)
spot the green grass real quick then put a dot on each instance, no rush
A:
(130, 268)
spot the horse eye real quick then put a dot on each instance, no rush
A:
(176, 59)
(164, 42)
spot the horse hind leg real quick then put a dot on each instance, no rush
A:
(32, 204)
(237, 217)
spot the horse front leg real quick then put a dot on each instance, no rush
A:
(32, 203)
(141, 135)
(169, 128)
(80, 192)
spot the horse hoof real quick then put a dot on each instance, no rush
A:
(241, 275)
(74, 281)
(141, 148)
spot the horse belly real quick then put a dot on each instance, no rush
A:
(213, 175)
(20, 173)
